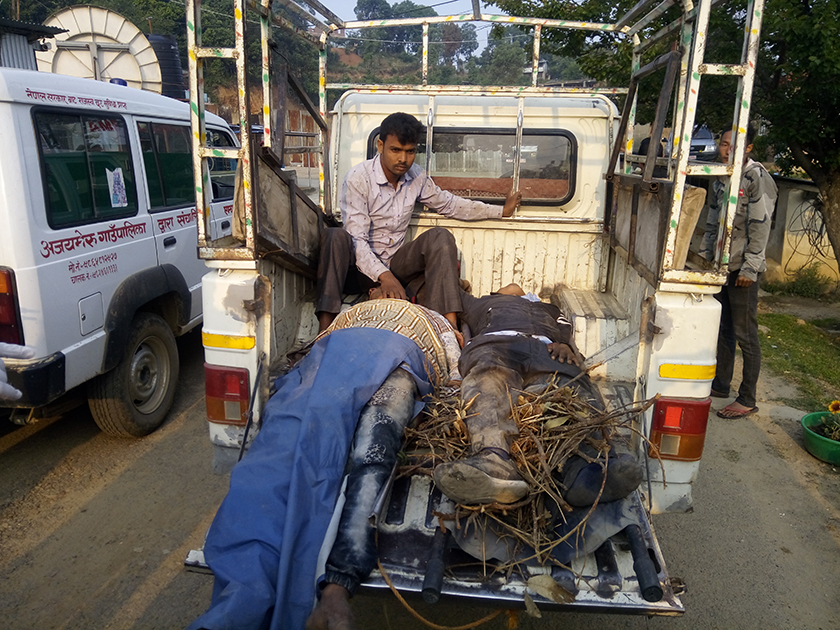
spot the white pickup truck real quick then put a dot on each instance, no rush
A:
(597, 234)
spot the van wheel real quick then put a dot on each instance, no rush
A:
(132, 400)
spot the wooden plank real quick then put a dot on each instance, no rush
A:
(287, 224)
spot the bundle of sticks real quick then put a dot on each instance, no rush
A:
(553, 426)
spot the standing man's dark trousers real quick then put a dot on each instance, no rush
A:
(432, 256)
(738, 322)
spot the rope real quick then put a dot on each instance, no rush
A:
(423, 620)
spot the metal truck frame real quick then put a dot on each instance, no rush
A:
(639, 298)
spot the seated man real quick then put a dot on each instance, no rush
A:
(520, 342)
(368, 369)
(376, 201)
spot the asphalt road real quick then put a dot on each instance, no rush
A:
(94, 530)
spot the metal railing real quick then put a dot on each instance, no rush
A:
(689, 29)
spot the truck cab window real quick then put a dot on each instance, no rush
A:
(88, 174)
(479, 164)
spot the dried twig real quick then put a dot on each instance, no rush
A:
(553, 426)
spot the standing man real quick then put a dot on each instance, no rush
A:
(377, 200)
(739, 297)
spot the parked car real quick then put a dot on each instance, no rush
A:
(702, 148)
(99, 269)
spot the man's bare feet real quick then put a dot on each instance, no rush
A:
(333, 611)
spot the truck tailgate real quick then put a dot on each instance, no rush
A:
(405, 537)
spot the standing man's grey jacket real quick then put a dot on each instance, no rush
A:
(751, 226)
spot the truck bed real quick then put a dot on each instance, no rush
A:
(406, 530)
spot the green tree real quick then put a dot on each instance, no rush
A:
(601, 55)
(797, 87)
(410, 38)
(167, 17)
(562, 68)
(798, 93)
(502, 61)
(373, 41)
(461, 43)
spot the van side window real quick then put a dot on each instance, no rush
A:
(167, 156)
(86, 162)
(222, 170)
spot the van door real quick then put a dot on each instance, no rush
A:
(166, 148)
(93, 237)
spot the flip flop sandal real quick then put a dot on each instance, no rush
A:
(732, 414)
(717, 394)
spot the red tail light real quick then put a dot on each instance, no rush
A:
(227, 394)
(10, 329)
(679, 428)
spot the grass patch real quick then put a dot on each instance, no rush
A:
(806, 355)
(806, 282)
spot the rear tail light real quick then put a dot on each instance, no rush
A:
(227, 394)
(679, 428)
(10, 329)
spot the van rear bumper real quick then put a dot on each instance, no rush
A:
(41, 381)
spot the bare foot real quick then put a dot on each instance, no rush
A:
(333, 612)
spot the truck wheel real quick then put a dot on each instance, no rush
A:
(133, 399)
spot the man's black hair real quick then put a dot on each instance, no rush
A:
(752, 132)
(644, 145)
(405, 127)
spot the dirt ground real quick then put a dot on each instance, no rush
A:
(804, 308)
(94, 530)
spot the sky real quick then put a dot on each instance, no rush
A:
(344, 10)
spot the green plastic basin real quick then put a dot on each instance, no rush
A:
(819, 446)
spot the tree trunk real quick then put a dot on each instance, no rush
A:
(830, 191)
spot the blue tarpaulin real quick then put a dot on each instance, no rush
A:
(263, 544)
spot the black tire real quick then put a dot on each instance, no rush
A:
(132, 400)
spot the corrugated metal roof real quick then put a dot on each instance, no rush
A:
(31, 30)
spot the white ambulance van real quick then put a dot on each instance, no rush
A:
(98, 264)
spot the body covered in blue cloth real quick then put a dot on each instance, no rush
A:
(264, 542)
